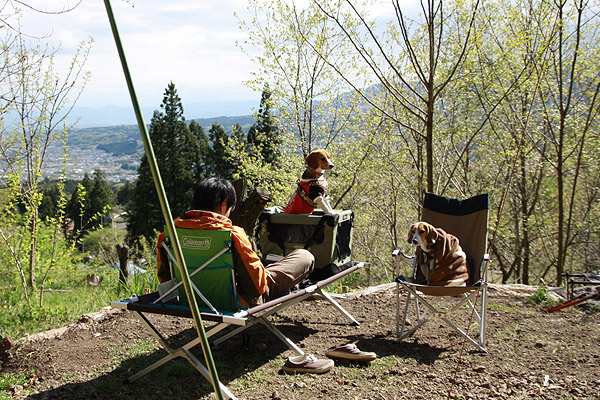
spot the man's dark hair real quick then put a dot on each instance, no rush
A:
(209, 193)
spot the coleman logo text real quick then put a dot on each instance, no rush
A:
(200, 243)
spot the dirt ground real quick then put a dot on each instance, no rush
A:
(533, 354)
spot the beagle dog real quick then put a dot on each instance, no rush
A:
(440, 258)
(311, 191)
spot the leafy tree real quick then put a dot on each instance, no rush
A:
(178, 152)
(415, 79)
(34, 103)
(306, 92)
(296, 76)
(569, 96)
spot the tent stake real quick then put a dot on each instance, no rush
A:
(165, 208)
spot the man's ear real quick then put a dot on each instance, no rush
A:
(222, 208)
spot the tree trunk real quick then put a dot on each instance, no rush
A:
(33, 249)
(525, 246)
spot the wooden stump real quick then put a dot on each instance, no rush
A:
(249, 207)
(123, 252)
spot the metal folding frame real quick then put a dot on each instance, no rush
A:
(467, 218)
(585, 279)
(240, 320)
(468, 296)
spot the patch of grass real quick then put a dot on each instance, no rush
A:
(142, 348)
(594, 308)
(59, 309)
(15, 384)
(542, 298)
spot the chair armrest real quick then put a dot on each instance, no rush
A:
(397, 252)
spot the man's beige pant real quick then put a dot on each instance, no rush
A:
(287, 273)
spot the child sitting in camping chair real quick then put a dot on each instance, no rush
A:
(213, 201)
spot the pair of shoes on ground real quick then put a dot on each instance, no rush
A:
(350, 352)
(308, 363)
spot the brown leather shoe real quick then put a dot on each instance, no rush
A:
(307, 363)
(351, 353)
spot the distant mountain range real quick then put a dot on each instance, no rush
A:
(113, 115)
(108, 138)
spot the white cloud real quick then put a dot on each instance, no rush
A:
(191, 43)
(188, 42)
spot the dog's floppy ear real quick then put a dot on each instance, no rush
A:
(312, 160)
(432, 234)
(411, 233)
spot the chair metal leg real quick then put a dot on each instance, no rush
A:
(400, 332)
(196, 363)
(255, 319)
(421, 316)
(263, 318)
(183, 352)
(482, 326)
(171, 353)
(464, 334)
(281, 336)
(341, 309)
(235, 331)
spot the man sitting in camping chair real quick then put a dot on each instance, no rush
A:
(213, 201)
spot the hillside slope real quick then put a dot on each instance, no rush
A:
(532, 355)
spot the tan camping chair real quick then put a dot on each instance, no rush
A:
(468, 221)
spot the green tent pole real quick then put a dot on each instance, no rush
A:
(165, 208)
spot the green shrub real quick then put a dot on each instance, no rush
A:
(542, 297)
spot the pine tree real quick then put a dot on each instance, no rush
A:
(202, 168)
(100, 199)
(124, 192)
(48, 207)
(219, 164)
(178, 154)
(87, 206)
(263, 136)
(238, 132)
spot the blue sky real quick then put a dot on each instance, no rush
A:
(192, 43)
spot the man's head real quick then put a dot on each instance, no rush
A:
(211, 193)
